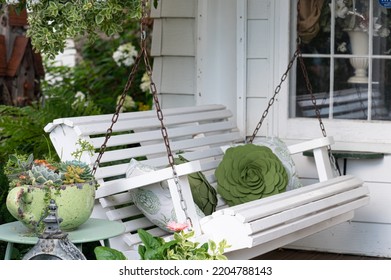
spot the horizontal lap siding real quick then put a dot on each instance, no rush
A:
(173, 49)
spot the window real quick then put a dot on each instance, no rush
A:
(347, 54)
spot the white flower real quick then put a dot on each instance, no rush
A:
(125, 55)
(382, 32)
(340, 9)
(128, 105)
(342, 47)
(145, 82)
(12, 2)
(33, 2)
(80, 98)
(79, 95)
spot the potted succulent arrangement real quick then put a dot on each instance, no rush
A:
(34, 182)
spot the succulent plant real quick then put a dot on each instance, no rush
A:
(75, 172)
(17, 168)
(24, 170)
(41, 175)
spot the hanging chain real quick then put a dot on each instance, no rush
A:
(297, 55)
(143, 54)
(159, 112)
(273, 98)
(115, 117)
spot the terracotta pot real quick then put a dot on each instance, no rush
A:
(29, 204)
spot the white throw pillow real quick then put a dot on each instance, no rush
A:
(281, 150)
(154, 200)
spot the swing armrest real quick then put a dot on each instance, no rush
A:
(320, 149)
(311, 145)
(122, 185)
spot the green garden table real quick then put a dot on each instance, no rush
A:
(91, 230)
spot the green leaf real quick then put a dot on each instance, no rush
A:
(212, 245)
(106, 253)
(99, 19)
(149, 240)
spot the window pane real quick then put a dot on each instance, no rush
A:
(381, 29)
(381, 95)
(351, 102)
(315, 28)
(318, 73)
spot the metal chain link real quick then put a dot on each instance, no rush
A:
(115, 117)
(297, 55)
(143, 54)
(273, 98)
(159, 112)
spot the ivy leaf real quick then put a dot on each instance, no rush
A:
(99, 18)
(155, 2)
(106, 253)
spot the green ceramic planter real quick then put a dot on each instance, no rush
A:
(75, 203)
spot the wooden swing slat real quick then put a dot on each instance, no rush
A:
(150, 135)
(91, 120)
(145, 179)
(292, 199)
(159, 148)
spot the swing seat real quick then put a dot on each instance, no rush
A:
(199, 133)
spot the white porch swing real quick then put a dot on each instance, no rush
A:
(198, 133)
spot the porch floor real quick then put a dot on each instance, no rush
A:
(290, 254)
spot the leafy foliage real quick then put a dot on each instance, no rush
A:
(52, 22)
(106, 253)
(99, 77)
(180, 248)
(27, 123)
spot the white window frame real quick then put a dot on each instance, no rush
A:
(353, 135)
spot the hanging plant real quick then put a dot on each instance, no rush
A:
(52, 22)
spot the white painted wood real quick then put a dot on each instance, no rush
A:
(290, 200)
(257, 46)
(256, 105)
(199, 133)
(201, 47)
(258, 9)
(241, 62)
(178, 75)
(145, 179)
(260, 249)
(175, 8)
(219, 79)
(256, 87)
(178, 37)
(350, 238)
(156, 45)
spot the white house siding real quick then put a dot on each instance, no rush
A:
(174, 51)
(229, 52)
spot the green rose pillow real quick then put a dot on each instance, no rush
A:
(249, 172)
(204, 194)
